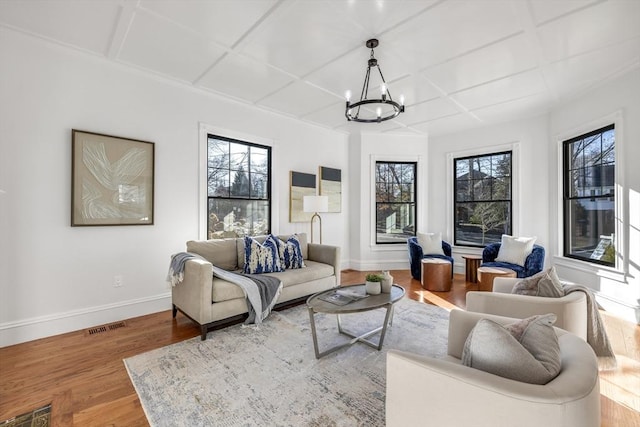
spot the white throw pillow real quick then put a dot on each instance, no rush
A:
(515, 250)
(431, 243)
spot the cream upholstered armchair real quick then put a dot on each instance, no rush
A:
(442, 392)
(570, 310)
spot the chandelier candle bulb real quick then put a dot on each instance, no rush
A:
(354, 113)
(347, 95)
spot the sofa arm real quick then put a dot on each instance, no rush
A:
(326, 254)
(193, 295)
(440, 392)
(570, 310)
(505, 285)
(426, 391)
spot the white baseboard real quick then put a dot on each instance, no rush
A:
(360, 265)
(59, 323)
(366, 265)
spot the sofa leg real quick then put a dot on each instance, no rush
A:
(174, 311)
(203, 332)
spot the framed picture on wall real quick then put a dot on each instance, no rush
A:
(331, 186)
(111, 180)
(302, 184)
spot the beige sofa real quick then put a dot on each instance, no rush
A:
(442, 392)
(212, 302)
(570, 310)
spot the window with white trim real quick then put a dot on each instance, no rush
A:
(589, 197)
(482, 198)
(238, 188)
(395, 201)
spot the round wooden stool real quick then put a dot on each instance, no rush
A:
(487, 274)
(436, 274)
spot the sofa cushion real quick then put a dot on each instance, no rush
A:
(219, 252)
(261, 257)
(526, 351)
(313, 271)
(290, 253)
(515, 250)
(431, 243)
(543, 284)
(223, 290)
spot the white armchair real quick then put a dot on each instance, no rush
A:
(570, 310)
(442, 392)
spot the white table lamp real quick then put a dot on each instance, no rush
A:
(315, 204)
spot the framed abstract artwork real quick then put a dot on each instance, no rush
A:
(331, 186)
(111, 180)
(302, 184)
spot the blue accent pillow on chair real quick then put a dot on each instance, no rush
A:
(261, 258)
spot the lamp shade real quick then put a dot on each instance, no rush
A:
(315, 204)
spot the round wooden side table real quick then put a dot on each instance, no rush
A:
(436, 274)
(471, 264)
(487, 274)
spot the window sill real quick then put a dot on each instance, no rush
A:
(393, 247)
(597, 269)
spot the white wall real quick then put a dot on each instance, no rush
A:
(528, 140)
(55, 278)
(364, 150)
(618, 101)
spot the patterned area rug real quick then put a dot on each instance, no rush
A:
(242, 376)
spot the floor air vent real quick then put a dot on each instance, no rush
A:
(105, 328)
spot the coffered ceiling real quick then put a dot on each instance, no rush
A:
(460, 64)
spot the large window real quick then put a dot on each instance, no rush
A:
(482, 188)
(589, 196)
(238, 188)
(395, 201)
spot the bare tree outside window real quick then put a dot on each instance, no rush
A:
(395, 201)
(482, 198)
(238, 183)
(589, 197)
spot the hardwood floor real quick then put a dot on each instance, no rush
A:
(83, 375)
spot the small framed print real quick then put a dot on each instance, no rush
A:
(301, 184)
(331, 186)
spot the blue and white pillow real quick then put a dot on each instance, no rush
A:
(291, 253)
(261, 258)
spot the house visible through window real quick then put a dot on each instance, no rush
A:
(589, 197)
(238, 188)
(482, 188)
(395, 201)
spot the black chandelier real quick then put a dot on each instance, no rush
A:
(381, 109)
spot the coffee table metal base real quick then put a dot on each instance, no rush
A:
(388, 320)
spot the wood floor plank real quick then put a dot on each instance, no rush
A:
(85, 379)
